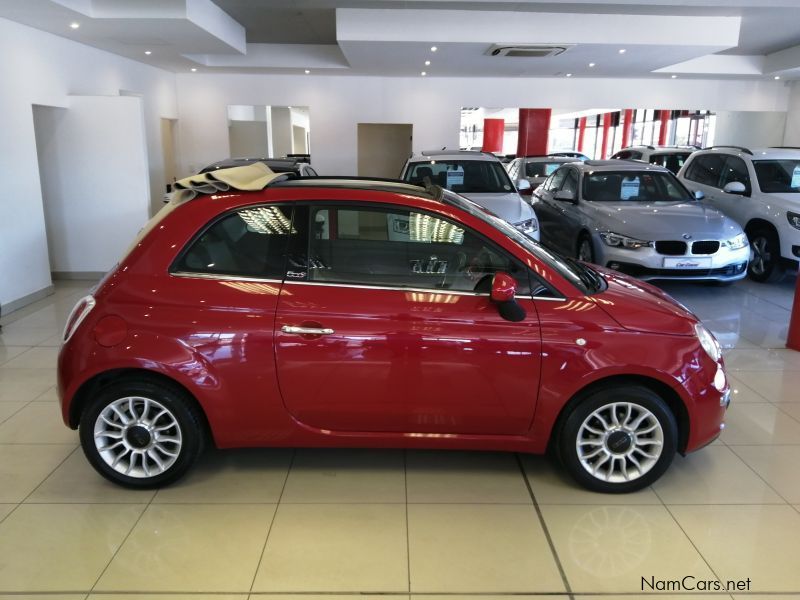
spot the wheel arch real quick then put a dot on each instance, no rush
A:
(672, 399)
(758, 223)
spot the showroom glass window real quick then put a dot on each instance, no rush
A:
(395, 247)
(247, 243)
(706, 169)
(735, 169)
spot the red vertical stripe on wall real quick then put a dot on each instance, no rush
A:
(662, 134)
(606, 127)
(534, 126)
(493, 130)
(581, 133)
(627, 123)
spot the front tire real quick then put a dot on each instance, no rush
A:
(765, 265)
(619, 439)
(585, 251)
(141, 434)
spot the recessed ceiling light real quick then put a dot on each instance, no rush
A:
(307, 71)
(194, 69)
(434, 48)
(674, 76)
(148, 52)
(777, 77)
(591, 64)
(74, 25)
(423, 73)
(427, 63)
(622, 51)
(569, 74)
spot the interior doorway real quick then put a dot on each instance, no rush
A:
(383, 148)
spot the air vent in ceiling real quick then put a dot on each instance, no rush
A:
(527, 51)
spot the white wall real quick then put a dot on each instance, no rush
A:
(94, 182)
(754, 129)
(40, 68)
(792, 135)
(432, 105)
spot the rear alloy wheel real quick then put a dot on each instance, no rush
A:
(585, 251)
(765, 256)
(141, 435)
(619, 439)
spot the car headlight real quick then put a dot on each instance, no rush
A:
(528, 227)
(794, 219)
(740, 241)
(622, 241)
(708, 342)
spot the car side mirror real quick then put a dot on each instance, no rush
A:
(523, 185)
(698, 194)
(565, 196)
(504, 289)
(735, 187)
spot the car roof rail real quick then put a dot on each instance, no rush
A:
(742, 148)
(784, 147)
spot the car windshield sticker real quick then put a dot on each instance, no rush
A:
(629, 189)
(795, 178)
(455, 177)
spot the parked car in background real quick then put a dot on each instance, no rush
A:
(671, 157)
(479, 176)
(535, 169)
(571, 154)
(759, 189)
(335, 313)
(296, 163)
(638, 219)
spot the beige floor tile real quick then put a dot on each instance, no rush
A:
(50, 395)
(16, 335)
(760, 542)
(762, 360)
(9, 352)
(479, 548)
(329, 597)
(24, 466)
(779, 466)
(759, 424)
(7, 409)
(126, 596)
(473, 477)
(61, 547)
(610, 548)
(713, 475)
(741, 393)
(232, 476)
(37, 423)
(75, 481)
(54, 340)
(34, 358)
(197, 548)
(651, 596)
(42, 596)
(767, 596)
(552, 485)
(780, 386)
(24, 385)
(5, 510)
(790, 408)
(338, 476)
(489, 597)
(336, 548)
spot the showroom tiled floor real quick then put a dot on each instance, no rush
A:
(320, 525)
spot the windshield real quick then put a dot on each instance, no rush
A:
(778, 176)
(634, 186)
(541, 169)
(462, 176)
(578, 274)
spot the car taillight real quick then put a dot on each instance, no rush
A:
(78, 314)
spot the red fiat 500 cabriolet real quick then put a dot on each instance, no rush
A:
(367, 313)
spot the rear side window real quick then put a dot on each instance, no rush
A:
(627, 155)
(673, 162)
(706, 169)
(541, 169)
(403, 248)
(247, 243)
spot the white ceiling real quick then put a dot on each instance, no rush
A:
(662, 38)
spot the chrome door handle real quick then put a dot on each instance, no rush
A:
(306, 330)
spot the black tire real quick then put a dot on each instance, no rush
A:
(766, 265)
(584, 250)
(581, 422)
(181, 421)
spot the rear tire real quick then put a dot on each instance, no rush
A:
(618, 439)
(765, 265)
(585, 252)
(141, 434)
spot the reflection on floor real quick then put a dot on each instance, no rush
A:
(282, 523)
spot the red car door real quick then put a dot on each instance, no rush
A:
(378, 328)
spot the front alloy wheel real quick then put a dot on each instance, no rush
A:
(585, 251)
(765, 257)
(141, 434)
(619, 439)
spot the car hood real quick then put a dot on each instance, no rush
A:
(639, 306)
(509, 207)
(662, 220)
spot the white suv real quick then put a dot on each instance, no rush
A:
(760, 189)
(671, 157)
(479, 176)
